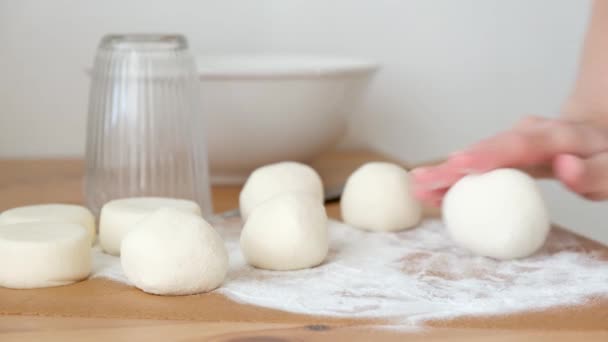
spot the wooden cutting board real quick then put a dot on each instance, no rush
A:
(104, 310)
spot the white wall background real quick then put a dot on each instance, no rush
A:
(446, 62)
(45, 46)
(453, 71)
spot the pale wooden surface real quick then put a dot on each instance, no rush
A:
(102, 310)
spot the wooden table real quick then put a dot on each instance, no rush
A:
(102, 310)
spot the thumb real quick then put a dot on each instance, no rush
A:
(587, 177)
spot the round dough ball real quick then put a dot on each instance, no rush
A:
(174, 253)
(43, 254)
(378, 197)
(59, 213)
(499, 214)
(287, 232)
(271, 180)
(118, 217)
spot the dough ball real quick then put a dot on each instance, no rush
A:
(499, 214)
(118, 217)
(59, 213)
(43, 254)
(174, 253)
(287, 232)
(378, 197)
(271, 180)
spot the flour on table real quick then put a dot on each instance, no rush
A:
(408, 277)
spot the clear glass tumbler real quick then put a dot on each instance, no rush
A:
(145, 130)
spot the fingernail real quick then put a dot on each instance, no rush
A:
(418, 171)
(467, 171)
(462, 157)
(437, 185)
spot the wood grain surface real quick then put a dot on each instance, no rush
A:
(103, 310)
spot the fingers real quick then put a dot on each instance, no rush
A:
(505, 149)
(431, 198)
(529, 121)
(436, 177)
(549, 137)
(531, 145)
(483, 156)
(535, 141)
(587, 177)
(431, 183)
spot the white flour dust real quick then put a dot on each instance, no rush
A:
(409, 277)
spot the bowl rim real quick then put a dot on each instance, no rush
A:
(280, 66)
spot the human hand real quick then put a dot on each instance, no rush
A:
(574, 152)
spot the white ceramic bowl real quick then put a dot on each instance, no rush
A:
(264, 109)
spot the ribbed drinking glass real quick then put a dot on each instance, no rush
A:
(145, 130)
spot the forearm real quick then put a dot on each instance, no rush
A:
(589, 99)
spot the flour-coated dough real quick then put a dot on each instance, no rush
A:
(172, 252)
(499, 214)
(378, 197)
(287, 232)
(118, 217)
(271, 180)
